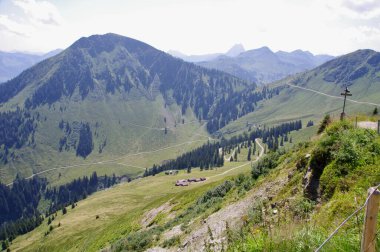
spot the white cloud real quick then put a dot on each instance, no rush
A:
(14, 27)
(363, 8)
(27, 23)
(39, 12)
(195, 26)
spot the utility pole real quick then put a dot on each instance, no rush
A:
(345, 94)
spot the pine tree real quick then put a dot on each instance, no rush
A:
(375, 112)
(235, 156)
(249, 154)
(64, 211)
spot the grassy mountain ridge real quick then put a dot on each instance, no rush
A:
(329, 79)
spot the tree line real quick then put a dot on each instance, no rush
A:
(212, 154)
(19, 203)
(206, 157)
(83, 144)
(16, 129)
(235, 105)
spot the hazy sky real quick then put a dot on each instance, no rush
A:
(195, 26)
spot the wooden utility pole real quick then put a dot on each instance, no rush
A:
(345, 94)
(370, 220)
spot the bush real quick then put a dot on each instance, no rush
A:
(325, 122)
(171, 242)
(302, 207)
(341, 151)
(218, 192)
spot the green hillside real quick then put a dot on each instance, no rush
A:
(194, 217)
(299, 97)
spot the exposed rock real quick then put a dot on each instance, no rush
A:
(311, 185)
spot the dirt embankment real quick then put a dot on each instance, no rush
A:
(232, 214)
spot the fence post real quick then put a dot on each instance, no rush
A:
(356, 122)
(370, 220)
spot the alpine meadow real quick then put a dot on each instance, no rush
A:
(135, 126)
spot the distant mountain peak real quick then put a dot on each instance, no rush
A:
(235, 50)
(299, 51)
(108, 42)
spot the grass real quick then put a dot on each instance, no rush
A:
(294, 104)
(302, 225)
(119, 209)
(120, 123)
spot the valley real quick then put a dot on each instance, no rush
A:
(95, 129)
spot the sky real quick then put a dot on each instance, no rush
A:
(195, 26)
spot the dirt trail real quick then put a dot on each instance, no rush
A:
(245, 164)
(232, 214)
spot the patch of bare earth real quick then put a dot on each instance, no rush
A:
(175, 231)
(151, 214)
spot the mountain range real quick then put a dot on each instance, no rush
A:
(232, 52)
(123, 109)
(264, 66)
(13, 63)
(107, 95)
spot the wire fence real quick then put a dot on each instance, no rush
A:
(347, 219)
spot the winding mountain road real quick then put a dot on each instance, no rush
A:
(245, 164)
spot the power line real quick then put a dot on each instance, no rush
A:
(332, 96)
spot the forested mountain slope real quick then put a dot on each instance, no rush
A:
(107, 96)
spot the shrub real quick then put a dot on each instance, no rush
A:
(302, 207)
(171, 242)
(325, 122)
